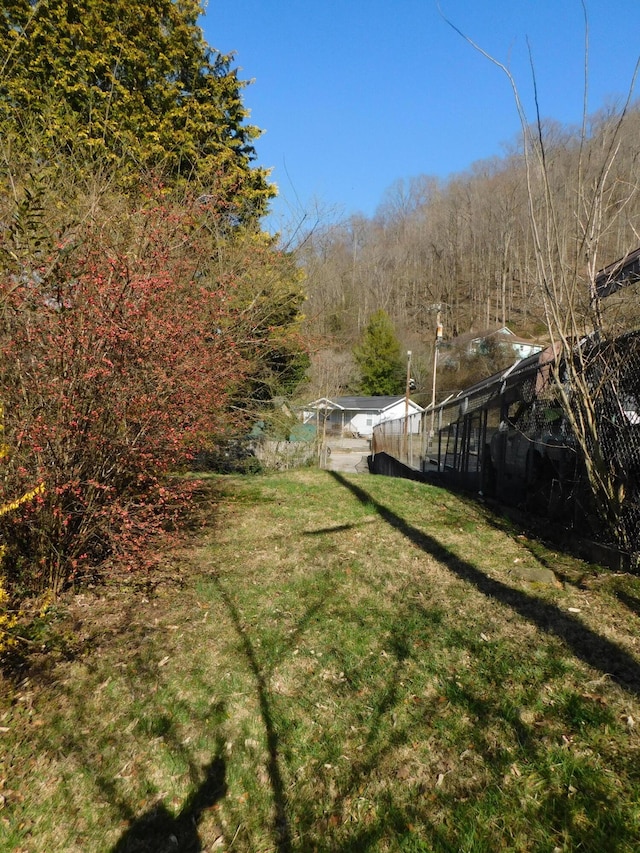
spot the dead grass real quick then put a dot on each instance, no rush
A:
(336, 664)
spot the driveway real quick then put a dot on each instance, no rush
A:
(348, 455)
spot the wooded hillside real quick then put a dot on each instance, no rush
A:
(465, 246)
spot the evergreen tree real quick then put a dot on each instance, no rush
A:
(378, 357)
(130, 83)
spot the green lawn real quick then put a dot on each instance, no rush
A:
(336, 663)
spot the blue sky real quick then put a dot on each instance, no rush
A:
(354, 95)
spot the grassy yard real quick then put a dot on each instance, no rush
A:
(336, 663)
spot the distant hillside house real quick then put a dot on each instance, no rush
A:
(481, 343)
(357, 416)
(619, 274)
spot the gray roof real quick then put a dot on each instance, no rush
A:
(376, 405)
(361, 404)
(618, 274)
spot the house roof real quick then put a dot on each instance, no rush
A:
(618, 274)
(361, 404)
(374, 404)
(502, 334)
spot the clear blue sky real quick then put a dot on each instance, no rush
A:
(356, 94)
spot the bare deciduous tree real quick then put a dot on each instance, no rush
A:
(575, 202)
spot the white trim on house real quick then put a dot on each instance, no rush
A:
(357, 415)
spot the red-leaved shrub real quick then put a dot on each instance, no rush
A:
(117, 359)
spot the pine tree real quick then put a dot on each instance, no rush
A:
(378, 357)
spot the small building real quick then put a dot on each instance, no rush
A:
(481, 343)
(357, 416)
(619, 274)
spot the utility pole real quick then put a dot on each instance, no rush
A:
(435, 370)
(407, 389)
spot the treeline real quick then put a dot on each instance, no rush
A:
(144, 315)
(470, 247)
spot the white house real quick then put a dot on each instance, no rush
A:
(479, 343)
(357, 416)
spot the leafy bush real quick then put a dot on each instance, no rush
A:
(115, 368)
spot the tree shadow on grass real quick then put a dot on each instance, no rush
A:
(586, 644)
(306, 815)
(631, 602)
(92, 749)
(281, 828)
(158, 831)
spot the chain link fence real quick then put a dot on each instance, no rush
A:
(513, 436)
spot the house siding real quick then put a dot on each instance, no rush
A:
(360, 420)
